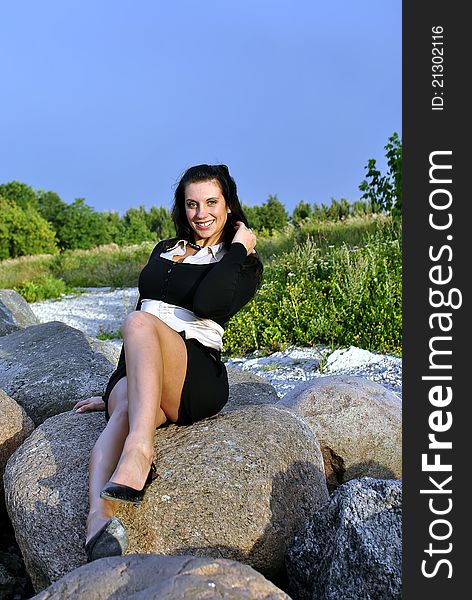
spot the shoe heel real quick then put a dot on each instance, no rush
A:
(123, 493)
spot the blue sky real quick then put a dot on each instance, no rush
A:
(112, 100)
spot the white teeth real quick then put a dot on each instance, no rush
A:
(204, 224)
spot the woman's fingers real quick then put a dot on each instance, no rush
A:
(245, 235)
(89, 404)
(85, 401)
(80, 403)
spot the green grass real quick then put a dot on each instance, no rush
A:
(16, 271)
(352, 232)
(334, 295)
(49, 276)
(112, 265)
(109, 335)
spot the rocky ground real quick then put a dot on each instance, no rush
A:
(101, 310)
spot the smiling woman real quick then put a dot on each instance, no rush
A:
(206, 211)
(170, 367)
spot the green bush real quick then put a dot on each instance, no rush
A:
(336, 295)
(41, 289)
(23, 231)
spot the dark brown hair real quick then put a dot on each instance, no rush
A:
(219, 173)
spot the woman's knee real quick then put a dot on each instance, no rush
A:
(161, 418)
(120, 411)
(137, 322)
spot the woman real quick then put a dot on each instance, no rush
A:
(170, 366)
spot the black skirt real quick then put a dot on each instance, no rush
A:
(205, 390)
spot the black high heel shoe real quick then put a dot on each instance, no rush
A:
(124, 493)
(110, 540)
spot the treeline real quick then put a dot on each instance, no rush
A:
(37, 222)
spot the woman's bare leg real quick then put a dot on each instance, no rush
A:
(110, 444)
(105, 456)
(156, 363)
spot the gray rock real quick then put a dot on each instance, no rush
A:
(15, 426)
(245, 389)
(357, 422)
(351, 549)
(47, 368)
(7, 582)
(234, 486)
(152, 577)
(14, 581)
(15, 312)
(109, 350)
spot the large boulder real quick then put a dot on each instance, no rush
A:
(352, 547)
(47, 368)
(357, 422)
(108, 349)
(15, 312)
(245, 388)
(15, 427)
(154, 577)
(234, 486)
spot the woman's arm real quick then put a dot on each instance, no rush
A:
(227, 287)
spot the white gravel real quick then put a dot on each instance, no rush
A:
(100, 310)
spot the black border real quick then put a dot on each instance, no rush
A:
(424, 131)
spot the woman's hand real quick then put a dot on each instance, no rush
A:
(89, 404)
(245, 236)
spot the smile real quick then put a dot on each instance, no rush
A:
(204, 224)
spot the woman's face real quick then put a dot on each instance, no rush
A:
(206, 211)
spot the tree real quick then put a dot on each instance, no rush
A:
(274, 215)
(23, 231)
(159, 221)
(384, 192)
(334, 211)
(317, 213)
(135, 227)
(361, 208)
(82, 227)
(20, 193)
(344, 208)
(301, 212)
(270, 215)
(324, 213)
(112, 226)
(254, 216)
(51, 208)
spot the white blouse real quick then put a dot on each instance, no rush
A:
(206, 331)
